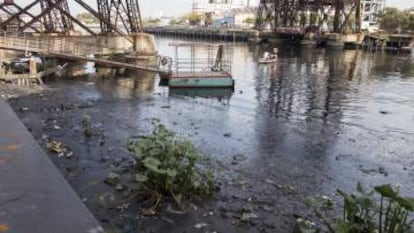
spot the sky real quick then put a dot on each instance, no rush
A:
(178, 7)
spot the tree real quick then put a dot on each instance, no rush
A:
(177, 21)
(152, 21)
(409, 25)
(249, 21)
(391, 19)
(194, 18)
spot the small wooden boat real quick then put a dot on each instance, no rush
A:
(269, 58)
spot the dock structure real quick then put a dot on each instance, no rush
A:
(400, 43)
(51, 33)
(203, 65)
(203, 33)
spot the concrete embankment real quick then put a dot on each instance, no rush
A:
(34, 196)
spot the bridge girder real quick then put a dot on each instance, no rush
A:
(55, 20)
(120, 13)
(304, 13)
(54, 17)
(121, 17)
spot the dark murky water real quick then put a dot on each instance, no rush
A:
(315, 107)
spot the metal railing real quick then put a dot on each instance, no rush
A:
(55, 45)
(72, 48)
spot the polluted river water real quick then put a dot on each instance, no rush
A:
(315, 121)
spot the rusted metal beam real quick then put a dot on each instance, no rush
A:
(23, 10)
(63, 11)
(54, 20)
(66, 21)
(27, 13)
(108, 63)
(284, 13)
(19, 19)
(358, 16)
(37, 18)
(79, 23)
(15, 16)
(134, 16)
(118, 12)
(104, 12)
(128, 11)
(98, 16)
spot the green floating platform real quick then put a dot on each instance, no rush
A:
(201, 79)
(208, 92)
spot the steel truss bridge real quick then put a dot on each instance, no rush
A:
(56, 37)
(309, 15)
(121, 17)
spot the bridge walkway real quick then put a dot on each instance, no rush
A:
(72, 49)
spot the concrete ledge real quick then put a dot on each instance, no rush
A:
(34, 197)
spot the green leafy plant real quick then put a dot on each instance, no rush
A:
(382, 210)
(87, 130)
(395, 211)
(168, 165)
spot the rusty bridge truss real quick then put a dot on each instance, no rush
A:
(114, 12)
(308, 14)
(120, 17)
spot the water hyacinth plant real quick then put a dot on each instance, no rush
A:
(168, 165)
(382, 210)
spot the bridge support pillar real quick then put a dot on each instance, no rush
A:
(144, 43)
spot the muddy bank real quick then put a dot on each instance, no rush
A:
(57, 114)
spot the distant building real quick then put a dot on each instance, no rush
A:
(237, 17)
(369, 10)
(241, 16)
(225, 12)
(215, 6)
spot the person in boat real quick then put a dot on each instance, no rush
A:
(274, 54)
(270, 56)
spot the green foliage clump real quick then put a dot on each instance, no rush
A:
(87, 130)
(169, 166)
(195, 18)
(177, 21)
(382, 210)
(393, 20)
(152, 21)
(249, 20)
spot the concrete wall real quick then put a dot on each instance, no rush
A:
(144, 43)
(352, 38)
